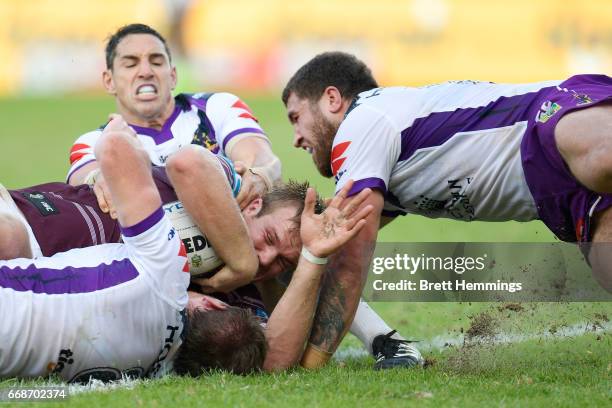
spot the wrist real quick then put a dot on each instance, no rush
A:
(310, 257)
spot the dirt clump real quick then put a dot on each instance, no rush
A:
(482, 325)
(514, 307)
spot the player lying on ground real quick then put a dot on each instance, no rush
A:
(58, 217)
(114, 309)
(464, 150)
(140, 76)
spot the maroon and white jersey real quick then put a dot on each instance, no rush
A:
(448, 150)
(215, 120)
(62, 217)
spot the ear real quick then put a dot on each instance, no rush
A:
(108, 82)
(332, 99)
(253, 208)
(173, 77)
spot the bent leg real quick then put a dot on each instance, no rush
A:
(600, 255)
(127, 170)
(584, 139)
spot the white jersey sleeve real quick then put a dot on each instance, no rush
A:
(232, 120)
(82, 151)
(365, 149)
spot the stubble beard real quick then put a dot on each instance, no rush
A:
(324, 132)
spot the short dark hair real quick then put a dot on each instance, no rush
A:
(344, 71)
(121, 33)
(229, 340)
(290, 193)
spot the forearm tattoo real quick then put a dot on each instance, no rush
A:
(328, 323)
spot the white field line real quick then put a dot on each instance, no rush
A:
(440, 342)
(436, 343)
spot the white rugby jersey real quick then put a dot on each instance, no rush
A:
(102, 311)
(447, 150)
(216, 121)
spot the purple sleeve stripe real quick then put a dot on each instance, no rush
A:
(70, 279)
(239, 132)
(71, 172)
(143, 225)
(371, 182)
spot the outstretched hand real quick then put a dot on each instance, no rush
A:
(343, 218)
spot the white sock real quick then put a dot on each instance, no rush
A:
(368, 324)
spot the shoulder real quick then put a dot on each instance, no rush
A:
(91, 135)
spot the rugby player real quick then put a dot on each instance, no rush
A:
(140, 75)
(115, 309)
(464, 150)
(118, 309)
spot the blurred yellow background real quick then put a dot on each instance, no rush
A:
(56, 46)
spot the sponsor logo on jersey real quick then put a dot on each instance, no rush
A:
(183, 253)
(336, 157)
(547, 110)
(248, 113)
(42, 203)
(582, 99)
(203, 139)
(163, 353)
(460, 206)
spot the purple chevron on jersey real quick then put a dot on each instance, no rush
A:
(163, 135)
(70, 279)
(438, 127)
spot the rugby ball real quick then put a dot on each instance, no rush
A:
(200, 254)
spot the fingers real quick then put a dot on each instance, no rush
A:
(361, 215)
(309, 202)
(204, 284)
(102, 196)
(356, 202)
(339, 198)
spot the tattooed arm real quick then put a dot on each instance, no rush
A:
(342, 286)
(290, 322)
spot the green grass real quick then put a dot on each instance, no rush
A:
(35, 137)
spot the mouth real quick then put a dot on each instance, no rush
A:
(146, 91)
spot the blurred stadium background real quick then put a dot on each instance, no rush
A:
(51, 54)
(52, 58)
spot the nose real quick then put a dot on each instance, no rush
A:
(266, 256)
(297, 139)
(145, 70)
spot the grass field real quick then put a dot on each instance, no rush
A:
(557, 354)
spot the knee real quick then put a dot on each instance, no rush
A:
(14, 240)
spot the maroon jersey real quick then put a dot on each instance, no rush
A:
(64, 217)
